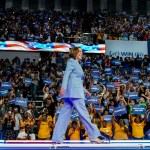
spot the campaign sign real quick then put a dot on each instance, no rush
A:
(133, 95)
(88, 63)
(4, 92)
(105, 102)
(95, 88)
(120, 110)
(99, 61)
(27, 81)
(138, 109)
(12, 101)
(148, 69)
(116, 78)
(124, 81)
(92, 99)
(21, 101)
(96, 76)
(96, 71)
(47, 81)
(58, 98)
(6, 85)
(74, 116)
(116, 62)
(110, 85)
(111, 109)
(18, 68)
(146, 84)
(136, 71)
(107, 118)
(135, 77)
(99, 108)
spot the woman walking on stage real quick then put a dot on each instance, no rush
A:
(72, 91)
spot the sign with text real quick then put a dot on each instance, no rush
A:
(107, 118)
(21, 101)
(92, 99)
(138, 109)
(121, 110)
(126, 48)
(6, 85)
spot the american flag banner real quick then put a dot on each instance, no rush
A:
(54, 47)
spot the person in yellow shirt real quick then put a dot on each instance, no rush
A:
(45, 126)
(105, 129)
(137, 125)
(74, 131)
(27, 119)
(120, 129)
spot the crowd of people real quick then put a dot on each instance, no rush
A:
(50, 26)
(130, 75)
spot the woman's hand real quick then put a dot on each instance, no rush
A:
(62, 92)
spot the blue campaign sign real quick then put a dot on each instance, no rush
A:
(21, 101)
(99, 61)
(111, 109)
(6, 85)
(116, 78)
(4, 92)
(95, 76)
(107, 70)
(58, 98)
(124, 81)
(135, 77)
(116, 62)
(95, 88)
(146, 84)
(138, 109)
(120, 110)
(88, 63)
(18, 68)
(107, 118)
(136, 71)
(74, 116)
(99, 108)
(96, 71)
(148, 69)
(106, 102)
(47, 81)
(133, 95)
(12, 101)
(92, 99)
(27, 81)
(110, 85)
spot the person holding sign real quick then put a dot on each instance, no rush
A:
(72, 91)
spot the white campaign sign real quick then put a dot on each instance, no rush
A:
(126, 48)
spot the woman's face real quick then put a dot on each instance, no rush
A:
(79, 55)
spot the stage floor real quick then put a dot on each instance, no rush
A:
(113, 144)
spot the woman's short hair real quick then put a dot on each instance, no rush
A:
(73, 52)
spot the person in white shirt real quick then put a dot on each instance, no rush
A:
(17, 117)
(26, 134)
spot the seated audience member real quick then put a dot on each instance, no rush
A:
(26, 134)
